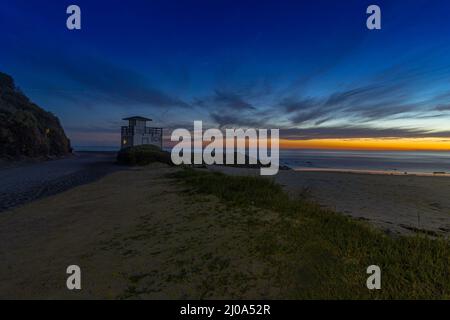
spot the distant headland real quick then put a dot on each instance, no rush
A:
(27, 131)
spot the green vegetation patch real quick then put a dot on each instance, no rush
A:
(143, 155)
(318, 254)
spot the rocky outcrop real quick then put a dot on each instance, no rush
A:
(26, 130)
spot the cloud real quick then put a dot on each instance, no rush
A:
(235, 107)
(238, 120)
(350, 132)
(86, 80)
(358, 105)
(292, 105)
(443, 107)
(225, 99)
(394, 92)
(232, 100)
(90, 81)
(119, 84)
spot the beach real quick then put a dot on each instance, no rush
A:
(25, 182)
(141, 234)
(396, 203)
(135, 234)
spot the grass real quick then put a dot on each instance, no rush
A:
(318, 254)
(143, 155)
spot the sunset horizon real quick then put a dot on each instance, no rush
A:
(317, 85)
(347, 144)
(393, 144)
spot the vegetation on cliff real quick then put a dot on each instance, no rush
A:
(26, 130)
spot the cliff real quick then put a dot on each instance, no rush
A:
(26, 130)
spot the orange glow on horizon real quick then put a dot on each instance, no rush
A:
(400, 144)
(388, 144)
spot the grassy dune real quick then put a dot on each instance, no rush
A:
(316, 253)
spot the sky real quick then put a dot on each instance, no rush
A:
(309, 68)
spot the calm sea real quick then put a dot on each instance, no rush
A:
(390, 161)
(387, 161)
(96, 148)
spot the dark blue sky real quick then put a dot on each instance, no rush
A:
(311, 68)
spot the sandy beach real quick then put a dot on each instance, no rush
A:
(26, 182)
(138, 234)
(399, 204)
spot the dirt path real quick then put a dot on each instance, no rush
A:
(134, 234)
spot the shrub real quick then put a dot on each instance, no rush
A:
(143, 155)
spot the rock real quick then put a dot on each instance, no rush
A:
(26, 130)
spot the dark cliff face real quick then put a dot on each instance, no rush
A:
(26, 130)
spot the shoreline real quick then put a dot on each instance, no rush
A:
(374, 172)
(27, 182)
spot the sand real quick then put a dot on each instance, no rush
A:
(399, 204)
(26, 182)
(135, 234)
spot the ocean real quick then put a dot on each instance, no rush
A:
(371, 161)
(96, 148)
(382, 161)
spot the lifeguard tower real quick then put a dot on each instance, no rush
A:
(137, 133)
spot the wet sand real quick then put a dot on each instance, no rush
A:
(399, 204)
(26, 182)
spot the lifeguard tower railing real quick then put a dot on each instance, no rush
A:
(131, 131)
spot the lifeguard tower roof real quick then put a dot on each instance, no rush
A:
(137, 118)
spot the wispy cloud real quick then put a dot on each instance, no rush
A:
(443, 107)
(349, 132)
(396, 93)
(88, 80)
